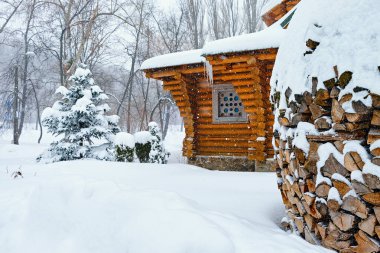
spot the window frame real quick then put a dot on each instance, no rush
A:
(215, 106)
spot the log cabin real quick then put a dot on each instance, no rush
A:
(222, 92)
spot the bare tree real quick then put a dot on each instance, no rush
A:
(194, 11)
(6, 17)
(252, 14)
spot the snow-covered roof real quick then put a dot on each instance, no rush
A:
(174, 59)
(269, 38)
(349, 37)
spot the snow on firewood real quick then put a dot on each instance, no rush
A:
(340, 35)
(357, 176)
(334, 195)
(339, 177)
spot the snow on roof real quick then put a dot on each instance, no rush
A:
(174, 59)
(268, 38)
(349, 36)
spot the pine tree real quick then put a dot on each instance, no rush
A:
(157, 152)
(79, 118)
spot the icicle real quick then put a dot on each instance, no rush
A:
(208, 69)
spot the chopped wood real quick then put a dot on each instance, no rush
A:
(341, 186)
(333, 166)
(339, 145)
(330, 83)
(345, 98)
(373, 135)
(343, 221)
(372, 198)
(376, 210)
(360, 188)
(322, 229)
(322, 124)
(333, 205)
(353, 161)
(360, 107)
(375, 121)
(355, 206)
(345, 78)
(356, 117)
(372, 181)
(322, 98)
(365, 243)
(375, 152)
(334, 93)
(317, 111)
(337, 112)
(375, 100)
(322, 190)
(368, 225)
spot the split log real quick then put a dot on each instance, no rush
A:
(337, 112)
(375, 121)
(322, 98)
(322, 124)
(360, 188)
(373, 135)
(317, 111)
(372, 181)
(345, 78)
(365, 243)
(375, 100)
(322, 230)
(356, 117)
(360, 107)
(376, 210)
(368, 225)
(336, 239)
(355, 206)
(353, 161)
(343, 221)
(334, 93)
(322, 190)
(342, 187)
(333, 205)
(333, 166)
(372, 198)
(375, 152)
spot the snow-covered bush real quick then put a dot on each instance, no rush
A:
(157, 153)
(143, 145)
(124, 147)
(79, 119)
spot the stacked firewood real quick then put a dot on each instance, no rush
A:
(328, 161)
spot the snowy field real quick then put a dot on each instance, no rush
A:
(93, 206)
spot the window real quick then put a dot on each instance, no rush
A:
(227, 105)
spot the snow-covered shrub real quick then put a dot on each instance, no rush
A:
(143, 146)
(157, 153)
(124, 147)
(79, 119)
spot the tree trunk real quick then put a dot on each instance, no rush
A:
(15, 109)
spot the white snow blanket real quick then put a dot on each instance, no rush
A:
(107, 207)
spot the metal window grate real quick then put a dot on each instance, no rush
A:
(227, 105)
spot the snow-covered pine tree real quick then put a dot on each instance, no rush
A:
(157, 152)
(79, 118)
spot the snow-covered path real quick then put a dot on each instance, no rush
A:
(93, 206)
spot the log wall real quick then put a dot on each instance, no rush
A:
(250, 74)
(278, 11)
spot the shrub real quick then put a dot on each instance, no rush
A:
(124, 147)
(143, 146)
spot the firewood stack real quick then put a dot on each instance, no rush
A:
(329, 163)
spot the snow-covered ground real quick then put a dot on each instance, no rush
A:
(93, 206)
